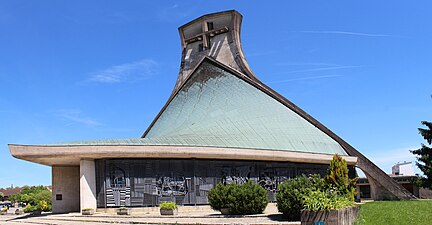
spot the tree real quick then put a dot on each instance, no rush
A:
(1, 195)
(424, 155)
(337, 177)
(36, 196)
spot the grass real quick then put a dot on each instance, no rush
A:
(417, 212)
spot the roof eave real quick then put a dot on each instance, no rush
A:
(71, 155)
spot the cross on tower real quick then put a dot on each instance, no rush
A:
(208, 31)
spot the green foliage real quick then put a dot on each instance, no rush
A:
(37, 197)
(29, 208)
(337, 177)
(1, 195)
(218, 196)
(424, 156)
(43, 206)
(168, 205)
(291, 194)
(242, 199)
(325, 200)
(335, 191)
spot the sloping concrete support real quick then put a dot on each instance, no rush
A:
(87, 184)
(66, 189)
(378, 191)
(383, 187)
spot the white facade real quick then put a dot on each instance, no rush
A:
(403, 169)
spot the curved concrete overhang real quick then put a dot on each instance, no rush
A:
(63, 155)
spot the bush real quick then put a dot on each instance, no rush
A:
(335, 191)
(168, 205)
(337, 178)
(218, 196)
(247, 198)
(41, 206)
(291, 194)
(319, 200)
(29, 208)
(38, 196)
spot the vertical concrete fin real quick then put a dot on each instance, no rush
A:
(87, 184)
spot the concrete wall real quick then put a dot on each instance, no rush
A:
(425, 193)
(87, 184)
(65, 184)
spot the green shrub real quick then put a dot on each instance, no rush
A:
(291, 194)
(325, 200)
(218, 196)
(337, 177)
(168, 205)
(29, 208)
(43, 206)
(242, 199)
(35, 195)
(335, 191)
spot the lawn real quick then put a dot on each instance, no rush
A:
(416, 212)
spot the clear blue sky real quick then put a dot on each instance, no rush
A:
(82, 70)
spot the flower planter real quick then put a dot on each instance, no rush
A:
(18, 212)
(345, 216)
(87, 211)
(123, 211)
(168, 212)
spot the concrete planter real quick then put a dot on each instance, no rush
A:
(225, 211)
(168, 212)
(18, 212)
(87, 211)
(345, 216)
(36, 212)
(123, 211)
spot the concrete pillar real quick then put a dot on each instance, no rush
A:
(65, 189)
(87, 184)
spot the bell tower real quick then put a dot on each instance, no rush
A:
(217, 36)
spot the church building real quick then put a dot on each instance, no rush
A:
(220, 124)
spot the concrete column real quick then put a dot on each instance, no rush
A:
(87, 184)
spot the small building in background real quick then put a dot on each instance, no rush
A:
(403, 169)
(9, 191)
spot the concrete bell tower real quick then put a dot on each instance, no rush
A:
(217, 36)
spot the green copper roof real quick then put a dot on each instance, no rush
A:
(217, 108)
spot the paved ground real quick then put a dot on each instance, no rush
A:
(187, 215)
